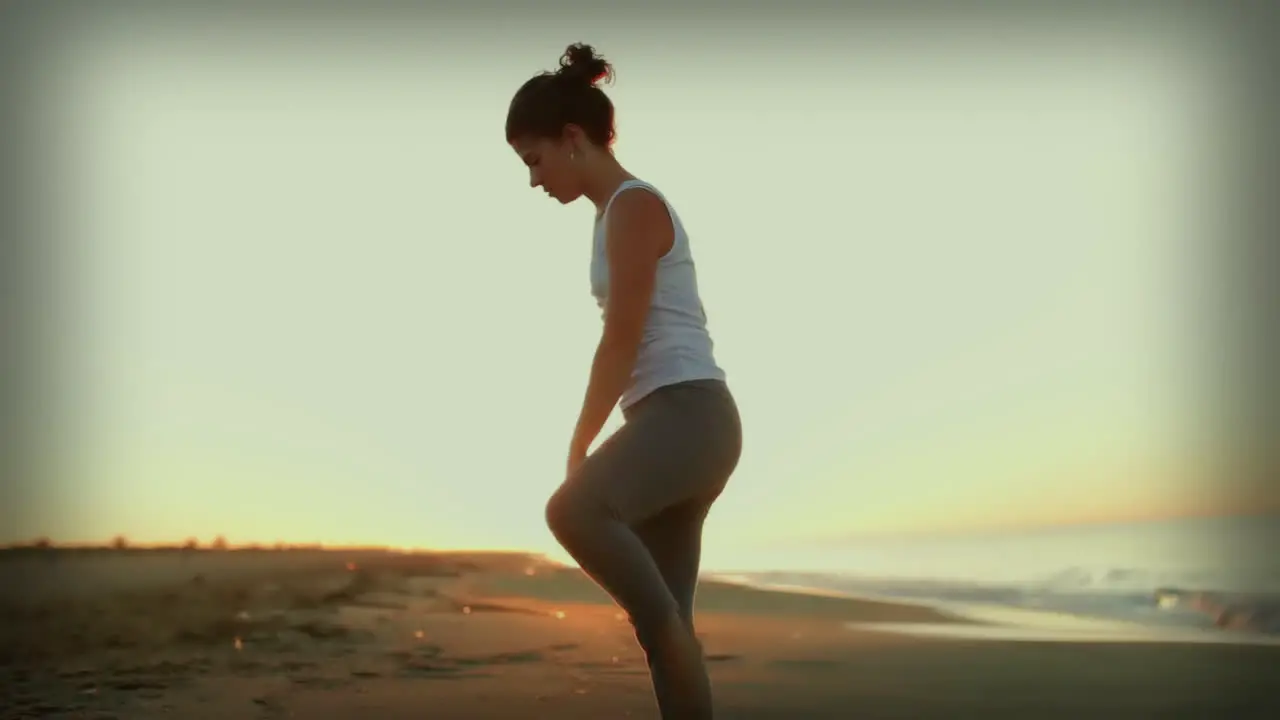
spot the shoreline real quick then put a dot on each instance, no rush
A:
(1048, 624)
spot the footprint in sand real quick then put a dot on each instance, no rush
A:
(426, 668)
(270, 706)
(430, 661)
(422, 661)
(320, 683)
(43, 708)
(506, 658)
(137, 685)
(425, 650)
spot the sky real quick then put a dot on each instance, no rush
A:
(958, 280)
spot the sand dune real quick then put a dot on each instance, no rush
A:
(340, 634)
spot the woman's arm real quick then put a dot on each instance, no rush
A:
(639, 233)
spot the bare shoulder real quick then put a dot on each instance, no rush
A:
(640, 222)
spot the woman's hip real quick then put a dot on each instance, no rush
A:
(679, 443)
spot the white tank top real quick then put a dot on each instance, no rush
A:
(676, 346)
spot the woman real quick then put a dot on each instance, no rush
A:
(631, 513)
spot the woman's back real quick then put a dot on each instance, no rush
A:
(676, 346)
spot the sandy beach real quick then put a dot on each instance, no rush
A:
(340, 634)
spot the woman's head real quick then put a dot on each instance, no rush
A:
(560, 122)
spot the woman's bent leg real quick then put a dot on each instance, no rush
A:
(680, 446)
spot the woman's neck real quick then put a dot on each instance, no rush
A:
(605, 182)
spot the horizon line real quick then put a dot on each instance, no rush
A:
(1015, 528)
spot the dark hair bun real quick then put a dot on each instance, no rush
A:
(580, 63)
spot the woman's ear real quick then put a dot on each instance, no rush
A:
(573, 138)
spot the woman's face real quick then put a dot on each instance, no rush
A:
(550, 167)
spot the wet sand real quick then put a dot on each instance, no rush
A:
(333, 634)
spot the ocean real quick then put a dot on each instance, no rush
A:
(1212, 579)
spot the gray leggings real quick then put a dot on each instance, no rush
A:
(632, 515)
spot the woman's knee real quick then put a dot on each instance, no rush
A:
(568, 511)
(555, 511)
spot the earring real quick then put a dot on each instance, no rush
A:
(573, 155)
